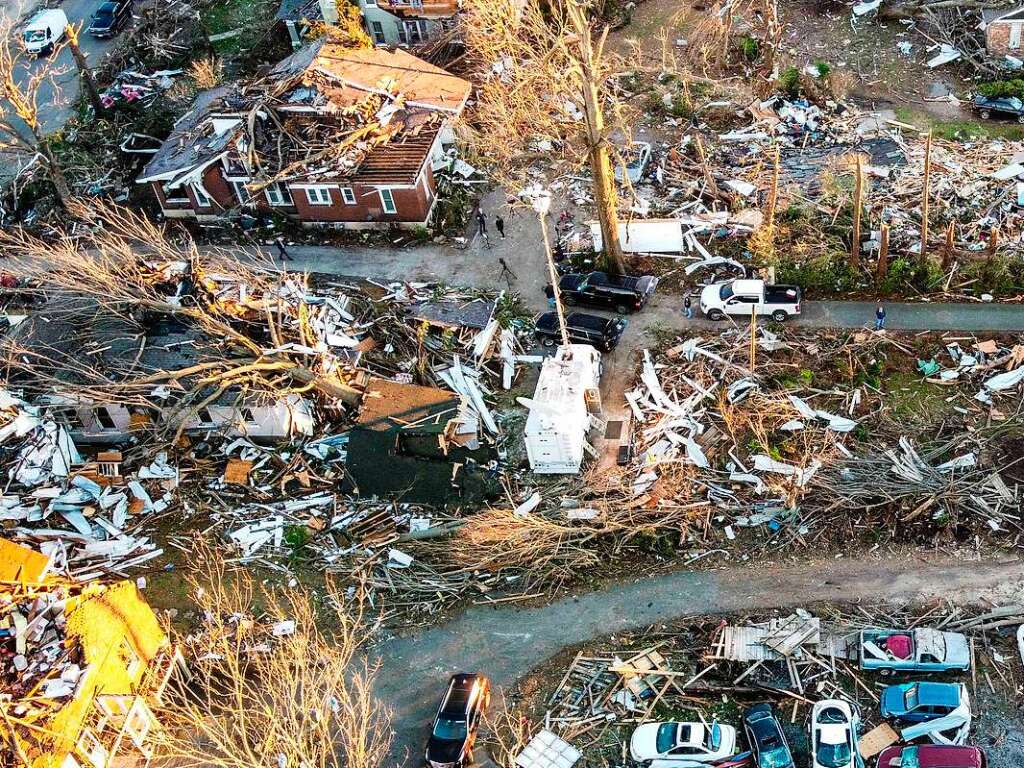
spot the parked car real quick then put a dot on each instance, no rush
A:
(918, 702)
(932, 756)
(600, 332)
(766, 739)
(110, 17)
(623, 293)
(1009, 105)
(675, 743)
(457, 721)
(916, 650)
(740, 297)
(834, 725)
(44, 30)
(636, 157)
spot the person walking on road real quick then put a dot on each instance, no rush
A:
(499, 224)
(879, 318)
(688, 307)
(279, 242)
(481, 225)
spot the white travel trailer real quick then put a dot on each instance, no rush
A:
(564, 408)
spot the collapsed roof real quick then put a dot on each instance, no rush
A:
(324, 114)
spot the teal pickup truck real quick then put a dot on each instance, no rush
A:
(913, 650)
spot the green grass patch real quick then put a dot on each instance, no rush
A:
(250, 17)
(911, 398)
(961, 130)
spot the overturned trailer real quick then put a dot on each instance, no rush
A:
(565, 407)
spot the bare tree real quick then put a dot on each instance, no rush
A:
(268, 686)
(549, 80)
(21, 132)
(250, 341)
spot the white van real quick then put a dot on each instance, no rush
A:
(45, 30)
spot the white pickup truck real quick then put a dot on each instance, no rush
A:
(740, 297)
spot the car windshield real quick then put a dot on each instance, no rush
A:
(452, 730)
(666, 738)
(910, 698)
(908, 758)
(834, 755)
(35, 36)
(103, 14)
(725, 292)
(713, 739)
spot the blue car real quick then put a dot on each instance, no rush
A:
(766, 739)
(920, 702)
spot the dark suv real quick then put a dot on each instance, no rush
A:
(458, 719)
(600, 332)
(766, 739)
(1009, 105)
(110, 17)
(622, 293)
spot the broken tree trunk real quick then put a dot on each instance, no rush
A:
(88, 81)
(597, 143)
(947, 251)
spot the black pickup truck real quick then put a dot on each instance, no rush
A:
(622, 293)
(1010, 105)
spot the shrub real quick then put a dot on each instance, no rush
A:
(998, 275)
(1001, 89)
(912, 273)
(789, 82)
(750, 47)
(821, 275)
(823, 68)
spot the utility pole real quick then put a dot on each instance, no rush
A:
(858, 204)
(541, 204)
(924, 198)
(753, 338)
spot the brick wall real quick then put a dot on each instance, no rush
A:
(412, 206)
(997, 39)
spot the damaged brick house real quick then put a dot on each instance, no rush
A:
(332, 136)
(1003, 30)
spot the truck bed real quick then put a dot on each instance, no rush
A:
(781, 294)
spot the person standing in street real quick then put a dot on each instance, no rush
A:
(688, 307)
(879, 318)
(499, 224)
(279, 242)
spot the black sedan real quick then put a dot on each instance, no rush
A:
(766, 739)
(600, 332)
(110, 17)
(458, 719)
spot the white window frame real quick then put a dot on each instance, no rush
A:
(348, 196)
(388, 203)
(377, 32)
(203, 199)
(242, 194)
(1015, 35)
(278, 195)
(319, 196)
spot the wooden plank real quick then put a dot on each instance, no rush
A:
(877, 739)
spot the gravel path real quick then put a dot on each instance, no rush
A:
(506, 642)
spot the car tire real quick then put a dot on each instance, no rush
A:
(985, 114)
(883, 672)
(1020, 118)
(547, 341)
(780, 315)
(569, 300)
(621, 309)
(716, 315)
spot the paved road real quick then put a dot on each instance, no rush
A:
(507, 642)
(478, 266)
(59, 93)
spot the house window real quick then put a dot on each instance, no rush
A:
(1015, 30)
(372, 3)
(68, 417)
(203, 200)
(318, 195)
(176, 195)
(103, 417)
(348, 195)
(413, 32)
(278, 195)
(241, 193)
(388, 201)
(377, 30)
(247, 416)
(204, 416)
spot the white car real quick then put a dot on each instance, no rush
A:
(834, 725)
(679, 744)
